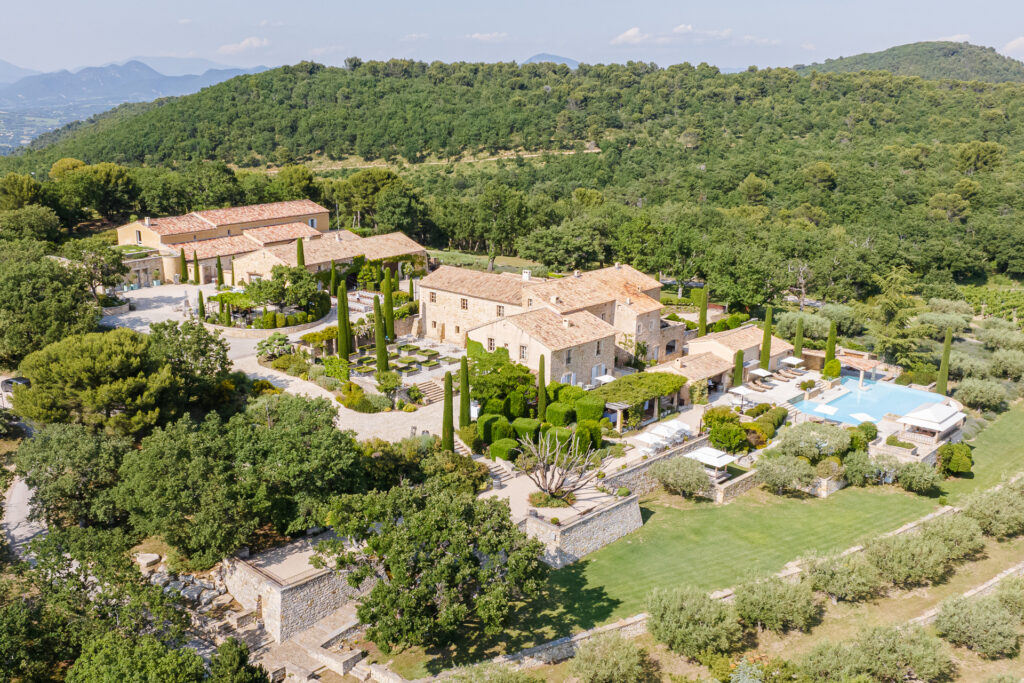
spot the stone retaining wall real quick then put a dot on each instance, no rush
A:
(117, 310)
(735, 487)
(636, 477)
(566, 544)
(248, 333)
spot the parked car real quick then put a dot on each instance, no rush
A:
(7, 385)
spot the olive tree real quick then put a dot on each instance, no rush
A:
(850, 578)
(980, 624)
(776, 605)
(610, 658)
(683, 476)
(784, 474)
(691, 623)
(814, 441)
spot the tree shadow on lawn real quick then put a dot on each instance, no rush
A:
(567, 606)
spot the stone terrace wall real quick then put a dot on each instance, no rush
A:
(636, 478)
(566, 544)
(247, 333)
(736, 487)
(305, 603)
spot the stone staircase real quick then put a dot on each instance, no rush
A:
(500, 477)
(321, 647)
(462, 449)
(433, 391)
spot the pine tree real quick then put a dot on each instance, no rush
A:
(195, 267)
(702, 321)
(201, 307)
(464, 413)
(220, 273)
(798, 340)
(830, 343)
(542, 392)
(448, 425)
(183, 266)
(333, 291)
(344, 349)
(300, 256)
(943, 379)
(378, 334)
(389, 306)
(737, 371)
(766, 340)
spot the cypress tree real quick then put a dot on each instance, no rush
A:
(300, 256)
(412, 294)
(195, 266)
(344, 350)
(766, 340)
(464, 415)
(389, 306)
(702, 321)
(542, 392)
(333, 291)
(183, 266)
(798, 340)
(830, 343)
(448, 425)
(378, 334)
(220, 273)
(737, 371)
(232, 271)
(201, 308)
(943, 378)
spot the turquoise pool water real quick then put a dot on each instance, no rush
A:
(869, 404)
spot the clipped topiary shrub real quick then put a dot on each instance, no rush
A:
(516, 405)
(470, 436)
(526, 428)
(588, 408)
(552, 390)
(560, 414)
(505, 449)
(570, 394)
(592, 428)
(485, 427)
(832, 369)
(501, 429)
(280, 320)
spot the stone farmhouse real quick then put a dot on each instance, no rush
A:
(222, 234)
(570, 320)
(747, 339)
(342, 247)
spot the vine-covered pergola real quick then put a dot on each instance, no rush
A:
(633, 394)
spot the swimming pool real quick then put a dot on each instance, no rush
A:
(869, 404)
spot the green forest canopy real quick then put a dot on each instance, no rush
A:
(930, 59)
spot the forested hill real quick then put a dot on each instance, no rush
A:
(933, 60)
(409, 109)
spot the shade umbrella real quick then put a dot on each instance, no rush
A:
(761, 372)
(793, 360)
(742, 392)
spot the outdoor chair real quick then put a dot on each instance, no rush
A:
(756, 387)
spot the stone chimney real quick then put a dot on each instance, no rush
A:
(566, 323)
(679, 362)
(147, 221)
(575, 273)
(526, 275)
(618, 266)
(629, 301)
(554, 298)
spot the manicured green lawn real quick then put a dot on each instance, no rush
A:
(712, 547)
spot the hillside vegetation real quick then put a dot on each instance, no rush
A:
(933, 60)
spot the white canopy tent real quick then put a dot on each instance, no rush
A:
(741, 391)
(936, 417)
(666, 432)
(651, 439)
(761, 372)
(678, 425)
(604, 379)
(712, 457)
(793, 361)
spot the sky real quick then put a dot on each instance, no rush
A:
(60, 34)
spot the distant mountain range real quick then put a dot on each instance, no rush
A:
(932, 60)
(545, 57)
(106, 86)
(37, 103)
(9, 73)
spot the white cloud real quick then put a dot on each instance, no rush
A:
(683, 28)
(411, 37)
(1015, 47)
(250, 43)
(631, 37)
(494, 37)
(721, 34)
(956, 38)
(810, 47)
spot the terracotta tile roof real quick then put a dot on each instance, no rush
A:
(213, 218)
(476, 283)
(280, 233)
(746, 337)
(346, 235)
(328, 248)
(623, 284)
(562, 331)
(260, 212)
(696, 367)
(219, 246)
(176, 225)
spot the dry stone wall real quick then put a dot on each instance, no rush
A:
(637, 478)
(566, 544)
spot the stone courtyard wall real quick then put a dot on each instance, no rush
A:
(636, 477)
(566, 544)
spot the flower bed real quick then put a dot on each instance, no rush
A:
(427, 364)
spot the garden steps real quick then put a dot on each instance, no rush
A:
(433, 390)
(462, 449)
